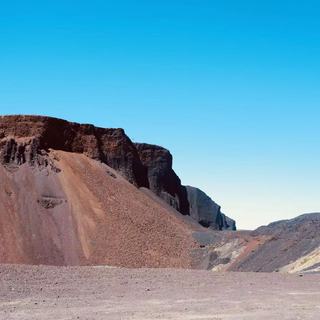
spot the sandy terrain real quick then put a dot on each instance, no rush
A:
(38, 292)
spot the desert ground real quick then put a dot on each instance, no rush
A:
(94, 293)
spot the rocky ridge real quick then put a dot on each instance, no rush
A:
(73, 194)
(28, 139)
(292, 246)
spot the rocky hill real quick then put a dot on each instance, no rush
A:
(79, 211)
(74, 194)
(288, 246)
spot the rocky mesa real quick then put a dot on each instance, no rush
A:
(27, 139)
(72, 194)
(75, 194)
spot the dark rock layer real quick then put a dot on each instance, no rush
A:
(28, 138)
(163, 181)
(207, 212)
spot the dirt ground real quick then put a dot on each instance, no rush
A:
(38, 292)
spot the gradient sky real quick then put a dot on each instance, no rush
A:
(232, 88)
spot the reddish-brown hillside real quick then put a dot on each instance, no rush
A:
(69, 195)
(79, 211)
(74, 194)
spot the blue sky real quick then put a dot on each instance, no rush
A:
(230, 87)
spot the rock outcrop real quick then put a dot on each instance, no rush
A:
(207, 212)
(162, 179)
(28, 138)
(65, 199)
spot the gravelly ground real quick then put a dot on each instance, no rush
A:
(38, 292)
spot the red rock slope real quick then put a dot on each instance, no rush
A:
(78, 211)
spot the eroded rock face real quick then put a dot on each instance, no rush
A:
(208, 213)
(228, 223)
(26, 139)
(161, 177)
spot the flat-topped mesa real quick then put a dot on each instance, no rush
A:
(27, 138)
(163, 181)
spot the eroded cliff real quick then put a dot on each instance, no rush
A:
(28, 139)
(208, 213)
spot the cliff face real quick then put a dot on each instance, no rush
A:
(293, 246)
(85, 213)
(188, 200)
(162, 179)
(28, 138)
(207, 212)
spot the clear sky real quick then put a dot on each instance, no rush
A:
(232, 88)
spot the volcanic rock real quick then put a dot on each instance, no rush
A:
(26, 139)
(162, 179)
(75, 194)
(208, 213)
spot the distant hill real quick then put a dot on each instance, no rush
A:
(284, 246)
(292, 246)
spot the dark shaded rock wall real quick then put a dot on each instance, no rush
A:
(207, 212)
(27, 138)
(163, 181)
